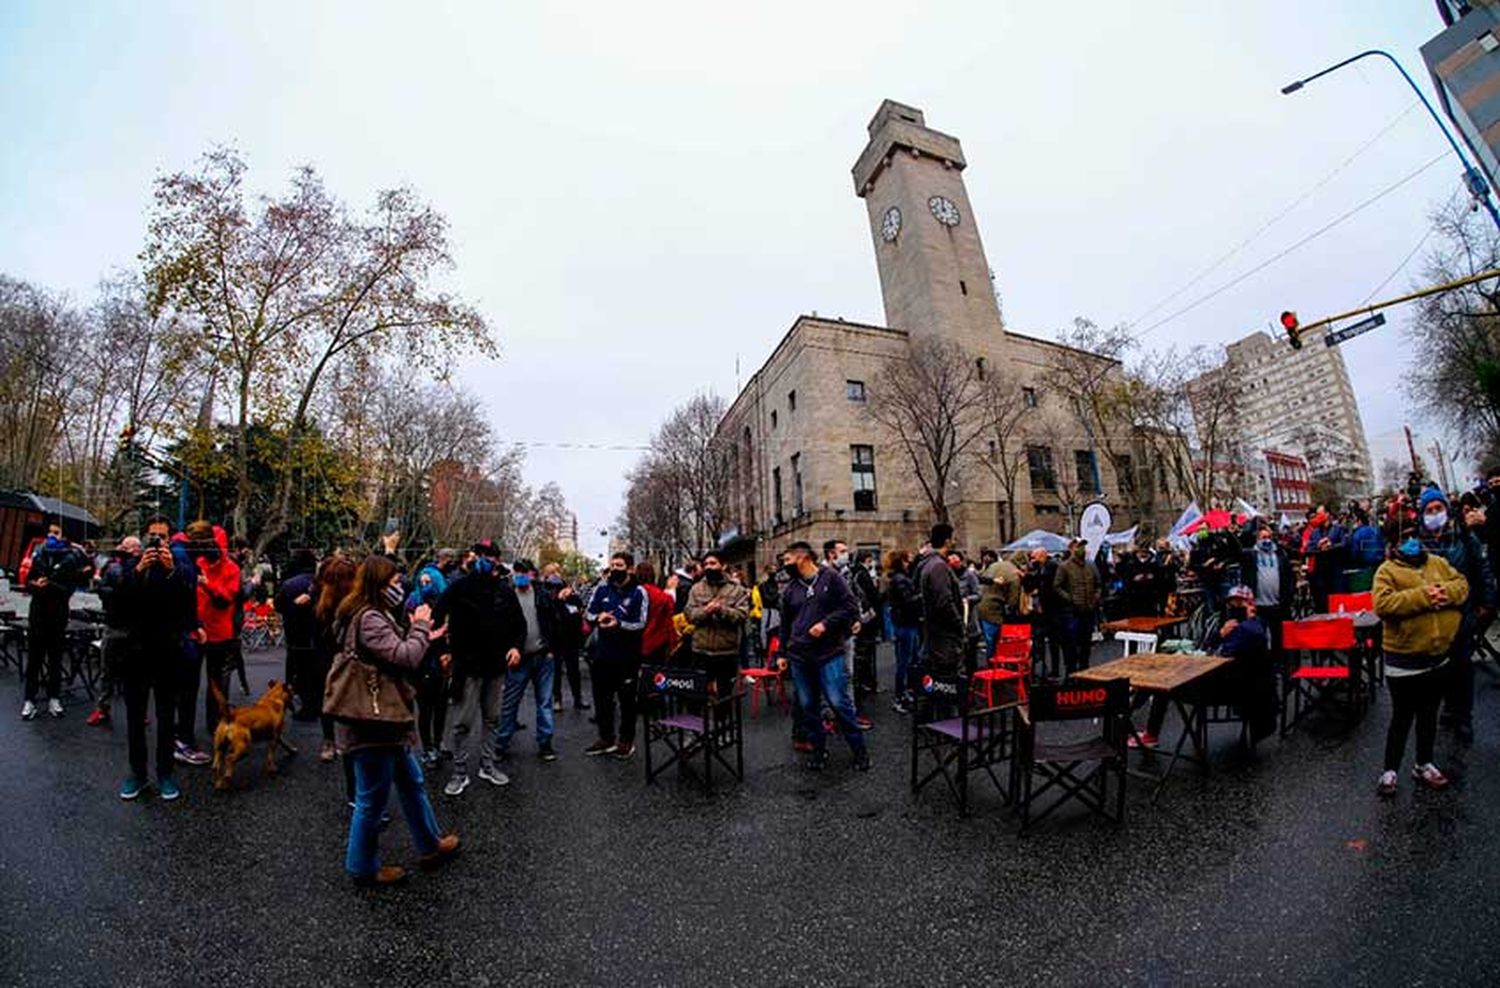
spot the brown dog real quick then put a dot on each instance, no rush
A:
(240, 726)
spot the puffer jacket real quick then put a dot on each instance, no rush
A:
(1414, 630)
(717, 633)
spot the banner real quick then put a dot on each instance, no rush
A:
(1093, 526)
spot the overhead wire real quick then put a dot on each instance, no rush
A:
(1295, 246)
(1282, 214)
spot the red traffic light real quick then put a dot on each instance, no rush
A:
(1290, 324)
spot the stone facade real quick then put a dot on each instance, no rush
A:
(795, 425)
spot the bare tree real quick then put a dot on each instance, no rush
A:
(287, 289)
(932, 402)
(1006, 408)
(1089, 369)
(39, 337)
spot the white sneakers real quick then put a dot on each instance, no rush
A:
(1387, 784)
(456, 785)
(1427, 774)
(54, 707)
(28, 710)
(494, 776)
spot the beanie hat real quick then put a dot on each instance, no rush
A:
(1430, 495)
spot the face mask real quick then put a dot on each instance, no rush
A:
(1080, 552)
(842, 559)
(393, 597)
(791, 570)
(1434, 522)
(522, 581)
(1238, 613)
(1266, 545)
(1411, 548)
(555, 582)
(714, 577)
(484, 566)
(618, 576)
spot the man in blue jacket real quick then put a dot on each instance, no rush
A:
(817, 612)
(618, 609)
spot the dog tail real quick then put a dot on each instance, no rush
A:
(226, 712)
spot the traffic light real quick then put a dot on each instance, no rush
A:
(1290, 324)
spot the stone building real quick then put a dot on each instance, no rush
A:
(810, 461)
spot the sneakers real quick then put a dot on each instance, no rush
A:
(802, 747)
(28, 710)
(557, 706)
(54, 707)
(862, 760)
(457, 785)
(447, 846)
(131, 787)
(1387, 785)
(167, 788)
(864, 723)
(387, 875)
(326, 753)
(1429, 776)
(1145, 740)
(547, 753)
(429, 759)
(623, 751)
(900, 706)
(493, 776)
(600, 747)
(98, 717)
(189, 755)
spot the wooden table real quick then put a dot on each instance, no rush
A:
(1173, 677)
(1143, 625)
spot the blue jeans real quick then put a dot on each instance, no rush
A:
(908, 638)
(374, 771)
(538, 671)
(991, 633)
(826, 682)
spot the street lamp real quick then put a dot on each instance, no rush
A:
(1478, 187)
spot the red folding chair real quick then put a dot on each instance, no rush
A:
(1320, 685)
(1011, 663)
(1350, 603)
(767, 681)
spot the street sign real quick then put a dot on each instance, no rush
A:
(1349, 332)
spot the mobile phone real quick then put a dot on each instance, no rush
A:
(392, 525)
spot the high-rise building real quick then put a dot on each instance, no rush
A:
(1299, 402)
(1464, 61)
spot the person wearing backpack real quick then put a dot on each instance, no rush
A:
(371, 697)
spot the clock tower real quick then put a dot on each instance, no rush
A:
(933, 273)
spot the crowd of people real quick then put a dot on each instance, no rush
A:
(433, 668)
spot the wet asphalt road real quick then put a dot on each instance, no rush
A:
(1285, 871)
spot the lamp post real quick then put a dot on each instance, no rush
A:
(1478, 187)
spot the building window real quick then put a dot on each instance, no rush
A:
(1039, 465)
(854, 390)
(797, 485)
(773, 418)
(1028, 397)
(863, 467)
(1125, 467)
(776, 494)
(1087, 469)
(963, 289)
(791, 401)
(979, 367)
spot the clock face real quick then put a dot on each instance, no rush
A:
(943, 210)
(890, 225)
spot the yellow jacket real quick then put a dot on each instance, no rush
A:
(1412, 626)
(756, 611)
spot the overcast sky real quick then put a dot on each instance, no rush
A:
(640, 194)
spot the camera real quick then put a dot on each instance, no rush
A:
(153, 541)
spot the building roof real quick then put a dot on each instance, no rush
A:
(54, 507)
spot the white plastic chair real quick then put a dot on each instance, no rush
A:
(1136, 643)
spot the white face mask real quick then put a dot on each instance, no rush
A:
(1435, 521)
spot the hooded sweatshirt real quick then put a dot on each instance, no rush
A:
(218, 591)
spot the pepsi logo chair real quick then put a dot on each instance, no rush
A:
(957, 731)
(684, 715)
(1079, 770)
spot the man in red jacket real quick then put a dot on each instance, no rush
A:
(218, 595)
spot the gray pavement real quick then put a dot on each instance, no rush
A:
(1286, 871)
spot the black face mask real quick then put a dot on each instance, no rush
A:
(1238, 613)
(791, 570)
(713, 577)
(618, 576)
